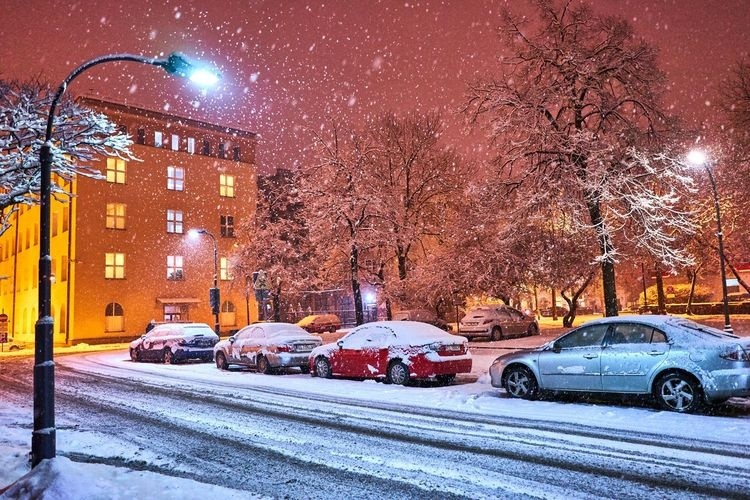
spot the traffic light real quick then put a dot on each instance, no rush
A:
(214, 300)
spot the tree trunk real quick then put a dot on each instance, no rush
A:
(401, 256)
(276, 304)
(554, 306)
(693, 278)
(605, 247)
(661, 303)
(359, 316)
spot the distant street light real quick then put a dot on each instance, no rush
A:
(43, 437)
(214, 295)
(698, 158)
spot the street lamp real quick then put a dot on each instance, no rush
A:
(213, 293)
(699, 158)
(43, 437)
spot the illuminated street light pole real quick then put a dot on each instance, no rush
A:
(213, 294)
(699, 158)
(43, 437)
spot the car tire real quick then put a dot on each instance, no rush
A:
(533, 330)
(305, 369)
(323, 367)
(135, 356)
(678, 392)
(519, 382)
(398, 373)
(221, 361)
(168, 357)
(263, 365)
(496, 333)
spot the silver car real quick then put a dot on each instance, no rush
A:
(267, 346)
(681, 363)
(497, 322)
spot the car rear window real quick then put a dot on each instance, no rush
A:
(702, 329)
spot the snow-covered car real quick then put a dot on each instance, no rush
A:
(393, 351)
(175, 342)
(497, 322)
(267, 346)
(319, 323)
(680, 363)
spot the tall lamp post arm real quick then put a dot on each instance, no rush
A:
(720, 238)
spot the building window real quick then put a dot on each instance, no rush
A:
(222, 151)
(55, 224)
(64, 269)
(228, 314)
(225, 273)
(158, 139)
(175, 312)
(140, 137)
(174, 267)
(174, 221)
(191, 145)
(114, 266)
(206, 147)
(226, 185)
(236, 153)
(175, 142)
(176, 178)
(115, 216)
(116, 170)
(114, 318)
(66, 220)
(227, 226)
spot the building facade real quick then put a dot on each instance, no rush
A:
(122, 251)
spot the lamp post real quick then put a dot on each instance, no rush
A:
(44, 434)
(699, 158)
(214, 295)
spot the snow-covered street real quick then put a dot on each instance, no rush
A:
(302, 437)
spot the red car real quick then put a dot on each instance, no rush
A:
(393, 351)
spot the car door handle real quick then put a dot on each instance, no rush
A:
(590, 356)
(657, 353)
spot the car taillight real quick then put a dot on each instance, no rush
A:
(738, 354)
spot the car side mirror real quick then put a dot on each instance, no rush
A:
(555, 347)
(231, 339)
(143, 336)
(340, 343)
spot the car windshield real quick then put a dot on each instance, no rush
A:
(703, 330)
(197, 330)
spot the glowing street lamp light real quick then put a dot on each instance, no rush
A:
(214, 295)
(43, 437)
(698, 158)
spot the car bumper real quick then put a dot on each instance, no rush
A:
(287, 359)
(473, 331)
(183, 354)
(441, 365)
(730, 383)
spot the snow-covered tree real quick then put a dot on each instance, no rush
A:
(79, 136)
(576, 121)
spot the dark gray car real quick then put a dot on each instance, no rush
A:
(681, 363)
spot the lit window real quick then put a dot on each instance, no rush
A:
(174, 267)
(227, 226)
(226, 185)
(158, 139)
(225, 273)
(176, 178)
(191, 145)
(116, 170)
(175, 142)
(115, 216)
(174, 221)
(114, 266)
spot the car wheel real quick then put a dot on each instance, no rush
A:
(168, 357)
(332, 329)
(533, 330)
(398, 373)
(519, 382)
(135, 355)
(221, 361)
(678, 392)
(446, 379)
(305, 368)
(496, 333)
(263, 366)
(323, 367)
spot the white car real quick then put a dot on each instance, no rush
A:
(175, 342)
(267, 346)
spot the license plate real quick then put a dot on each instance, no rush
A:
(452, 348)
(472, 323)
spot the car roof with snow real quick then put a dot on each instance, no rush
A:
(413, 331)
